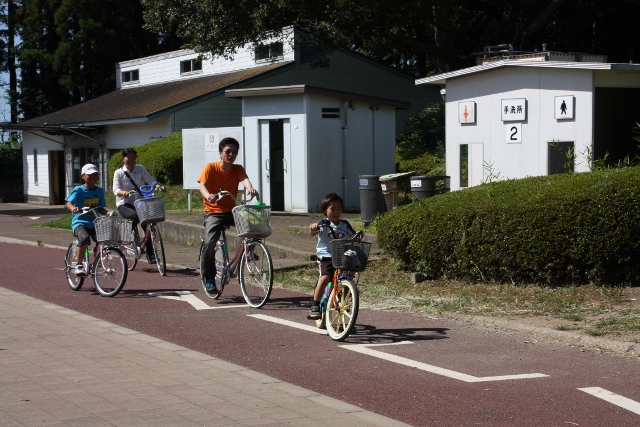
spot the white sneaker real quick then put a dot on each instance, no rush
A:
(80, 271)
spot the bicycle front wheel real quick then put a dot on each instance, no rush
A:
(158, 249)
(109, 271)
(256, 274)
(75, 282)
(342, 310)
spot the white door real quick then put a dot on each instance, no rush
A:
(275, 147)
(265, 161)
(476, 164)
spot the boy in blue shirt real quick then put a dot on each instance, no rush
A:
(86, 195)
(335, 228)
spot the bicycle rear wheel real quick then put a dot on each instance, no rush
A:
(256, 274)
(341, 316)
(158, 249)
(75, 282)
(109, 271)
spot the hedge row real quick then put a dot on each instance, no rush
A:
(11, 186)
(162, 158)
(555, 230)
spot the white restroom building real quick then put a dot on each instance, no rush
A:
(523, 115)
(302, 142)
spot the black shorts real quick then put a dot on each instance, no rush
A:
(326, 267)
(84, 235)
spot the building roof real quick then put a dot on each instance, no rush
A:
(441, 79)
(142, 103)
(299, 89)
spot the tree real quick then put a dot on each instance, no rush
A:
(8, 53)
(70, 47)
(418, 36)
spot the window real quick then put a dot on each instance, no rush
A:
(191, 66)
(130, 76)
(80, 157)
(272, 51)
(464, 165)
(561, 157)
(331, 113)
(35, 166)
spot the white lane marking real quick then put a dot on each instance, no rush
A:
(289, 323)
(364, 349)
(616, 399)
(195, 302)
(33, 217)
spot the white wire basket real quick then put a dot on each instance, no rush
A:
(351, 255)
(252, 220)
(113, 229)
(150, 209)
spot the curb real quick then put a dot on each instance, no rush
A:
(552, 335)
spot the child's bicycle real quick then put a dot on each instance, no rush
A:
(252, 261)
(150, 211)
(109, 266)
(340, 303)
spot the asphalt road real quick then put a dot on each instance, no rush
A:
(417, 370)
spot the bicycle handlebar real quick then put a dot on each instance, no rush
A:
(324, 224)
(152, 190)
(95, 211)
(222, 193)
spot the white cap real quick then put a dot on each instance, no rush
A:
(89, 169)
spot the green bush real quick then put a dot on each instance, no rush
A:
(556, 230)
(424, 131)
(162, 158)
(11, 186)
(422, 164)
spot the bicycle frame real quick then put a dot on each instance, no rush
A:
(232, 264)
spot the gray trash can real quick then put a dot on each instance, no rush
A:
(371, 199)
(427, 186)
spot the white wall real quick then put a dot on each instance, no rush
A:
(166, 67)
(30, 142)
(539, 86)
(135, 134)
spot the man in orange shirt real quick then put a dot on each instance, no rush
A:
(215, 176)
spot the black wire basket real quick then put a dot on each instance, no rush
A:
(351, 255)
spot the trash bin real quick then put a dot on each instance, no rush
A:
(423, 187)
(396, 189)
(371, 199)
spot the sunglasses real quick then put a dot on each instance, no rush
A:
(230, 151)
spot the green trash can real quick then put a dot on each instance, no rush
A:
(396, 189)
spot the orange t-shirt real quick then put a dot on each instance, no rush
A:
(216, 178)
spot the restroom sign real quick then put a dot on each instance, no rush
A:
(467, 112)
(514, 109)
(564, 107)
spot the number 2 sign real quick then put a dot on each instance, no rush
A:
(514, 133)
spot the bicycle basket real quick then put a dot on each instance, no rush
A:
(150, 209)
(113, 229)
(252, 221)
(350, 255)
